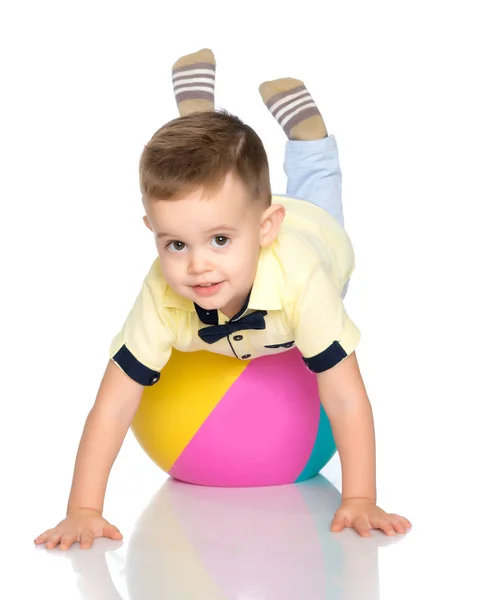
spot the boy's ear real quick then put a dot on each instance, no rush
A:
(270, 223)
(147, 223)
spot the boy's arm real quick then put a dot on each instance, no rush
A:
(107, 423)
(343, 395)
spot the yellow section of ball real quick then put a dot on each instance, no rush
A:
(172, 410)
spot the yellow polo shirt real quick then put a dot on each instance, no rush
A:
(295, 301)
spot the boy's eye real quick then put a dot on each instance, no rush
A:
(220, 241)
(176, 246)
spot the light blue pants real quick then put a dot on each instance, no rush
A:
(314, 175)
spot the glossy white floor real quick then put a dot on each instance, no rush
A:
(187, 542)
(88, 85)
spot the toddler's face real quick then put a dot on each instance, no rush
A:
(209, 247)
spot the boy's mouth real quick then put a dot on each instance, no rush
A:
(207, 289)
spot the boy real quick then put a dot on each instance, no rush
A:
(239, 275)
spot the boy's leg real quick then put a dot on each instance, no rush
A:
(311, 160)
(314, 174)
(194, 82)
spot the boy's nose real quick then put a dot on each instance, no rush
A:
(199, 263)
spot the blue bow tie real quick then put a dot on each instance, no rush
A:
(254, 320)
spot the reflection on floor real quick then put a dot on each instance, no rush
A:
(198, 543)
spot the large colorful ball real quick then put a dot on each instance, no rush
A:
(219, 421)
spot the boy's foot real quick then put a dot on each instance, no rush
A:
(194, 82)
(293, 107)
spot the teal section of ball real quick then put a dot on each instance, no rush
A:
(323, 449)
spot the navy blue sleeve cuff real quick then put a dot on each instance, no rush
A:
(134, 369)
(327, 359)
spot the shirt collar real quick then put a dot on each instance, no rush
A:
(264, 295)
(174, 300)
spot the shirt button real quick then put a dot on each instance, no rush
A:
(154, 379)
(246, 356)
(238, 338)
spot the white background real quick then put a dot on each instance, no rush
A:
(84, 85)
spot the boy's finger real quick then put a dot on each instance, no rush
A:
(399, 524)
(112, 532)
(387, 527)
(66, 541)
(384, 524)
(403, 520)
(337, 524)
(53, 540)
(361, 525)
(41, 538)
(86, 540)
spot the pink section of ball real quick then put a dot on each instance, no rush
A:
(261, 432)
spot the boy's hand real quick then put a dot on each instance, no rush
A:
(362, 515)
(83, 525)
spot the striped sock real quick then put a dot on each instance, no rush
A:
(194, 82)
(293, 107)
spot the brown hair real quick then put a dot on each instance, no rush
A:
(199, 150)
